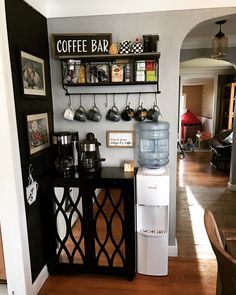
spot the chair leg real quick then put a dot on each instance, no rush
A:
(218, 284)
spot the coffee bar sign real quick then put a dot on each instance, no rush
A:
(70, 45)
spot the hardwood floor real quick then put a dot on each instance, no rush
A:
(186, 276)
(199, 186)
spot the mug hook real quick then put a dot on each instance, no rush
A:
(127, 97)
(80, 100)
(94, 100)
(106, 102)
(139, 99)
(155, 102)
(69, 103)
(114, 102)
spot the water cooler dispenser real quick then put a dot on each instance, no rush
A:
(152, 189)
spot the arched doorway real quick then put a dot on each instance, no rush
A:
(196, 63)
(196, 70)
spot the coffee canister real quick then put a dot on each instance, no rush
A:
(150, 43)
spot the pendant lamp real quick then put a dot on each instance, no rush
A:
(219, 43)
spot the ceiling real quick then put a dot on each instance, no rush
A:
(198, 37)
(66, 8)
(201, 35)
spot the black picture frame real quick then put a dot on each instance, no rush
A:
(32, 75)
(38, 134)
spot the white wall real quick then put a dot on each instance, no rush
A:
(172, 28)
(12, 209)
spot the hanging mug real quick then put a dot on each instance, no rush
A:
(154, 113)
(69, 113)
(94, 114)
(127, 114)
(140, 114)
(113, 114)
(80, 114)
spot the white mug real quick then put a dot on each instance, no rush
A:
(69, 113)
(31, 192)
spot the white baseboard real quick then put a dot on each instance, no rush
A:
(232, 187)
(40, 280)
(173, 250)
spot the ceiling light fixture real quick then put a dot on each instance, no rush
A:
(219, 43)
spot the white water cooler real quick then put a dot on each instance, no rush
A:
(152, 189)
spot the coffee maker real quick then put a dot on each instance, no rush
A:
(90, 160)
(65, 146)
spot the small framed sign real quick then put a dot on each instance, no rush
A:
(73, 45)
(120, 138)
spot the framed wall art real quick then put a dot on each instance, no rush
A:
(38, 132)
(33, 74)
(120, 139)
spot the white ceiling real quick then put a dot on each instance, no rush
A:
(64, 8)
(199, 37)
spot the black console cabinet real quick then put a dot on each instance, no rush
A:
(94, 223)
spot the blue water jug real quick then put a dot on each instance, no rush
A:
(152, 144)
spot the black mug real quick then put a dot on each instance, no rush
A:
(113, 114)
(94, 114)
(80, 114)
(127, 114)
(140, 114)
(154, 113)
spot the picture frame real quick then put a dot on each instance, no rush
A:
(38, 132)
(33, 75)
(120, 139)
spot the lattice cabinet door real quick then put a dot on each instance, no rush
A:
(69, 230)
(94, 224)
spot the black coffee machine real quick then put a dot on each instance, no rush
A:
(65, 146)
(90, 160)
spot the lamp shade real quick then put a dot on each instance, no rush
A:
(219, 43)
(219, 47)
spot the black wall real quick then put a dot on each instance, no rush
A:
(27, 31)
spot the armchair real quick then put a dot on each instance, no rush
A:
(221, 148)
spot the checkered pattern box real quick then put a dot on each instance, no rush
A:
(137, 47)
(124, 47)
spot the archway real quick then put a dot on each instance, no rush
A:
(197, 44)
(196, 70)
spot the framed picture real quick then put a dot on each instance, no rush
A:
(33, 74)
(120, 139)
(38, 132)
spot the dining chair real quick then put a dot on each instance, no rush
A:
(226, 277)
